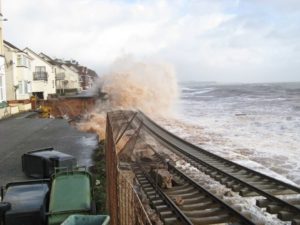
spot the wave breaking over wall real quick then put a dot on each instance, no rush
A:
(133, 85)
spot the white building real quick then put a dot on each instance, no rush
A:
(71, 78)
(18, 73)
(2, 79)
(67, 76)
(2, 64)
(43, 76)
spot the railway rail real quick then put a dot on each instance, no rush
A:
(240, 179)
(199, 205)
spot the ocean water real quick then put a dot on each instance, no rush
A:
(256, 125)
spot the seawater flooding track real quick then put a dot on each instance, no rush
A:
(239, 178)
(199, 205)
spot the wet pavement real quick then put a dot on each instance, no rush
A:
(22, 134)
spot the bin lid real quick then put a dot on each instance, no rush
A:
(25, 197)
(70, 191)
(50, 153)
(87, 220)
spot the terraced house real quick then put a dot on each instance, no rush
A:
(67, 76)
(18, 73)
(43, 76)
(2, 65)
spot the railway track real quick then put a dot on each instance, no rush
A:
(240, 179)
(199, 206)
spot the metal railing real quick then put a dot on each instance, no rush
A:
(60, 76)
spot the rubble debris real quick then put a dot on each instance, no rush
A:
(178, 200)
(163, 177)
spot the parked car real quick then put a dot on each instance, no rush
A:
(25, 203)
(71, 193)
(42, 163)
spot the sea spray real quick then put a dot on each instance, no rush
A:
(133, 85)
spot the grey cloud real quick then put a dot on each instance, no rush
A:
(205, 40)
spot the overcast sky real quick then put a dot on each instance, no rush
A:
(206, 40)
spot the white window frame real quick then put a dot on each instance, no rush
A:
(24, 87)
(2, 77)
(2, 89)
(22, 60)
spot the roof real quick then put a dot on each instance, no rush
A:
(77, 66)
(37, 55)
(12, 46)
(50, 60)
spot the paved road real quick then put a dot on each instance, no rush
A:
(21, 134)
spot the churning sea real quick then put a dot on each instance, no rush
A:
(256, 125)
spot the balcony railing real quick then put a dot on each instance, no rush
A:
(60, 76)
(40, 76)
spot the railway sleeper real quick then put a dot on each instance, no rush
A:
(181, 191)
(200, 167)
(154, 197)
(143, 182)
(214, 173)
(170, 221)
(225, 180)
(296, 222)
(242, 176)
(263, 203)
(187, 195)
(180, 187)
(200, 206)
(211, 220)
(281, 191)
(237, 187)
(151, 192)
(218, 177)
(294, 201)
(274, 209)
(161, 208)
(218, 165)
(247, 193)
(257, 181)
(193, 200)
(166, 214)
(266, 186)
(286, 216)
(147, 188)
(231, 183)
(204, 213)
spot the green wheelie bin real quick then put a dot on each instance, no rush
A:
(71, 193)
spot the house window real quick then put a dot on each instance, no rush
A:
(40, 73)
(40, 69)
(19, 60)
(23, 61)
(20, 87)
(23, 87)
